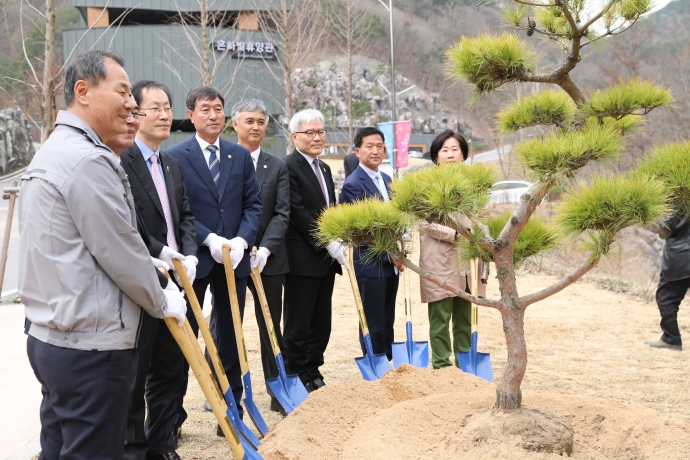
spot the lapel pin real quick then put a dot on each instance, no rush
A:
(229, 156)
(265, 166)
(167, 168)
(324, 169)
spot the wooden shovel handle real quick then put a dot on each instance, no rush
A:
(259, 285)
(203, 326)
(474, 273)
(355, 292)
(184, 336)
(235, 307)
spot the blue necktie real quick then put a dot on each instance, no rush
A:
(213, 163)
(382, 187)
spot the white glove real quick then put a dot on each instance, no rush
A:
(176, 306)
(172, 287)
(167, 255)
(237, 246)
(159, 263)
(338, 252)
(259, 258)
(189, 264)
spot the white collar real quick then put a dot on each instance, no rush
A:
(203, 144)
(309, 159)
(370, 172)
(255, 154)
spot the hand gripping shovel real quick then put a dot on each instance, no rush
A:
(185, 338)
(288, 389)
(252, 410)
(370, 365)
(474, 362)
(410, 351)
(234, 416)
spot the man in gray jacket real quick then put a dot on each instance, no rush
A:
(84, 272)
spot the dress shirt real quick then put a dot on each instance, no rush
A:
(310, 160)
(146, 152)
(373, 174)
(255, 156)
(203, 144)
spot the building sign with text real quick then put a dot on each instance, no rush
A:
(246, 50)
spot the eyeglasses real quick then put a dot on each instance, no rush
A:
(167, 110)
(312, 133)
(137, 114)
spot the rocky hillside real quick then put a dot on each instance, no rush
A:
(323, 85)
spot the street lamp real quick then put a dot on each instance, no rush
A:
(389, 7)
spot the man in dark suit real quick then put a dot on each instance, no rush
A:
(224, 196)
(309, 285)
(249, 118)
(674, 280)
(159, 194)
(377, 279)
(350, 163)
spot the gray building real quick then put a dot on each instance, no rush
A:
(161, 40)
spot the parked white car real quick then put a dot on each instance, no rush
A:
(508, 191)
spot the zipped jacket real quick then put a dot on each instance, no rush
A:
(84, 272)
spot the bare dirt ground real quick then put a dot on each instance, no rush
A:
(585, 343)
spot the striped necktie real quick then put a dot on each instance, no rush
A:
(213, 163)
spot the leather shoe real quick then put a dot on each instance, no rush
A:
(169, 456)
(277, 407)
(309, 386)
(318, 383)
(207, 407)
(661, 344)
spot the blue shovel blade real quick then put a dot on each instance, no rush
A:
(476, 363)
(252, 410)
(278, 390)
(293, 385)
(237, 422)
(249, 449)
(251, 454)
(372, 366)
(410, 351)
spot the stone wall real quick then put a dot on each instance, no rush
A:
(16, 145)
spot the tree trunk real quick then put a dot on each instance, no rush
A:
(205, 46)
(47, 102)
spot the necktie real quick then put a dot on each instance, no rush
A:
(163, 196)
(382, 187)
(213, 163)
(315, 164)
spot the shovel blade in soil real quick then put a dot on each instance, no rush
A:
(410, 352)
(288, 389)
(476, 363)
(372, 366)
(237, 423)
(252, 410)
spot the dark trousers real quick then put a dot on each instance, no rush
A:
(378, 299)
(273, 287)
(85, 395)
(157, 383)
(222, 331)
(307, 322)
(669, 295)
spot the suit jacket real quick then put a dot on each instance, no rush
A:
(274, 180)
(306, 256)
(350, 163)
(675, 264)
(149, 204)
(229, 210)
(359, 186)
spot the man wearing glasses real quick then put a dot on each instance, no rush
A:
(159, 194)
(309, 285)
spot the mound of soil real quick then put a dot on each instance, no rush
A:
(445, 414)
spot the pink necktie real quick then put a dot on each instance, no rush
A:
(163, 196)
(315, 163)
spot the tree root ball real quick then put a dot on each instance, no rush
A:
(534, 429)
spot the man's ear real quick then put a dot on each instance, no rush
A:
(190, 114)
(234, 125)
(356, 150)
(81, 92)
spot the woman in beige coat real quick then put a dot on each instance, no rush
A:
(439, 255)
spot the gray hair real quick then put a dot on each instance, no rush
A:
(247, 105)
(305, 116)
(90, 67)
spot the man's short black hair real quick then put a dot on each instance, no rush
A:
(88, 66)
(367, 131)
(139, 87)
(203, 93)
(438, 141)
